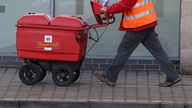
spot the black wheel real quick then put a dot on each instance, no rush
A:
(29, 74)
(43, 72)
(62, 75)
(76, 75)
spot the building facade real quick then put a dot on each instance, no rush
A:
(174, 32)
(186, 37)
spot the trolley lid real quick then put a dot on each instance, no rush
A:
(62, 22)
(67, 21)
(34, 19)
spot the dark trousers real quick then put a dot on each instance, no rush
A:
(149, 39)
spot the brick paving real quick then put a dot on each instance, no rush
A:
(132, 86)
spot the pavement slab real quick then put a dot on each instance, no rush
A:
(134, 89)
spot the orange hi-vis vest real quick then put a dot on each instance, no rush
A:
(141, 14)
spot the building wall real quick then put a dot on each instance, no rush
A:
(186, 37)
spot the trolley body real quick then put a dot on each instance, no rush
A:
(60, 39)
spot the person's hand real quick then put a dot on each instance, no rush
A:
(103, 9)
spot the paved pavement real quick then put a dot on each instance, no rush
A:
(134, 89)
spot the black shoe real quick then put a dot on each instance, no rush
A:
(169, 83)
(103, 78)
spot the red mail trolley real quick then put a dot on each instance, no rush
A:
(54, 44)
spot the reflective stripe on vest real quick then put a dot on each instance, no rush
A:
(141, 3)
(141, 14)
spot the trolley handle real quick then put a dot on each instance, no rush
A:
(110, 20)
(101, 21)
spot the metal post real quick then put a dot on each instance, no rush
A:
(79, 7)
(52, 8)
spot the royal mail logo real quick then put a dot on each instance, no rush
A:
(48, 38)
(48, 44)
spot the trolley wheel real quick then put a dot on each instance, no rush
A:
(43, 72)
(29, 74)
(62, 75)
(76, 75)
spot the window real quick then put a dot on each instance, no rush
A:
(8, 20)
(168, 28)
